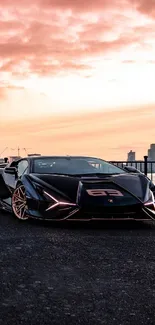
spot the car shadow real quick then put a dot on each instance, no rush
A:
(111, 225)
(94, 225)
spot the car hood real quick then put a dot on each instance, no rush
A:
(67, 185)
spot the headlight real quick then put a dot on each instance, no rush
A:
(49, 197)
(55, 202)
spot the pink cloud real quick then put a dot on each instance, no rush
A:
(56, 36)
(11, 25)
(144, 6)
(56, 55)
(79, 5)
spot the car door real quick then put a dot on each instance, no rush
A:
(11, 180)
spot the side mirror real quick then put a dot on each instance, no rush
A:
(10, 171)
(131, 169)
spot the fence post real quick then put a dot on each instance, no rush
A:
(145, 165)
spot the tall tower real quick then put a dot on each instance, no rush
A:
(131, 156)
(151, 152)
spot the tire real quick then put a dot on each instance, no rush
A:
(18, 202)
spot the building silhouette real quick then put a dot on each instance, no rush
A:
(151, 152)
(151, 157)
(131, 156)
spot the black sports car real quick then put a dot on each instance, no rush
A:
(74, 188)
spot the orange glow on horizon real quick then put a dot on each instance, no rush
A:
(109, 135)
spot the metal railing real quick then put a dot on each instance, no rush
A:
(145, 166)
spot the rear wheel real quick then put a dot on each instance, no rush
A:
(19, 203)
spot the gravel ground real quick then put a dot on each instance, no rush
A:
(76, 274)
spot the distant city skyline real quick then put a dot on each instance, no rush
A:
(108, 135)
(131, 155)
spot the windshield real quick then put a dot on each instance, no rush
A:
(74, 166)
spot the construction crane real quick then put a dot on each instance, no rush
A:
(25, 149)
(18, 150)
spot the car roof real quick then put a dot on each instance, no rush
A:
(44, 157)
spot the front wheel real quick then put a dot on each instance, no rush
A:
(19, 203)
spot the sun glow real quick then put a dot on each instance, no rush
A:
(111, 85)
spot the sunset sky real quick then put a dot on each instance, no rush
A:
(77, 77)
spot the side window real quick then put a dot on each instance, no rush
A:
(22, 167)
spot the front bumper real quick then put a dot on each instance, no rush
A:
(87, 208)
(78, 214)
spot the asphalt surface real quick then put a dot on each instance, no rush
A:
(76, 274)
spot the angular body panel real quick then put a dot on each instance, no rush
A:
(86, 195)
